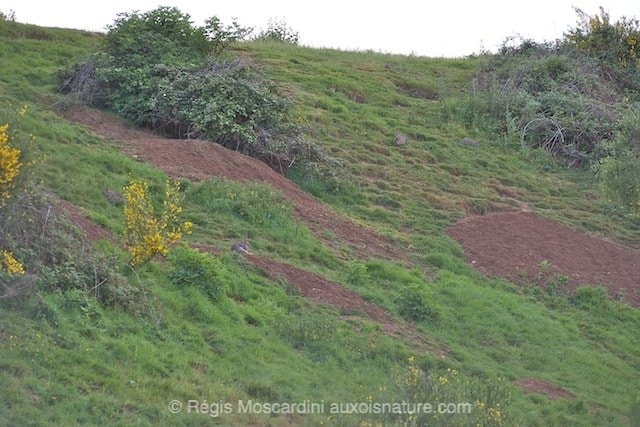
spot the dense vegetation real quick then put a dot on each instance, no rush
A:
(577, 98)
(88, 338)
(160, 71)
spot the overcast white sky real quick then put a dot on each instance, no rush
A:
(429, 28)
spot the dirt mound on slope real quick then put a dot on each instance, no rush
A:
(324, 292)
(199, 160)
(513, 245)
(553, 392)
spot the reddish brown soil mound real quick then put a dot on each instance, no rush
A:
(322, 291)
(513, 245)
(91, 230)
(552, 391)
(198, 160)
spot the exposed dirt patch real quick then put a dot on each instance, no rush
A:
(514, 244)
(322, 291)
(91, 230)
(533, 385)
(198, 160)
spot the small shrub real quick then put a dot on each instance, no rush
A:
(148, 234)
(619, 169)
(417, 304)
(613, 43)
(163, 35)
(357, 273)
(75, 300)
(473, 400)
(222, 36)
(10, 16)
(189, 267)
(277, 30)
(9, 164)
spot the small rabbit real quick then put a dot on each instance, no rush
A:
(241, 248)
(113, 197)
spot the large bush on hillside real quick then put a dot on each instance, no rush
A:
(619, 169)
(550, 97)
(614, 44)
(161, 72)
(566, 96)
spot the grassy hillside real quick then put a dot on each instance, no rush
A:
(67, 359)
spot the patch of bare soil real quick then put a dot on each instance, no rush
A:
(91, 230)
(534, 385)
(325, 292)
(322, 291)
(514, 244)
(198, 160)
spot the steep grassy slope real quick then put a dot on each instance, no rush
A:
(65, 359)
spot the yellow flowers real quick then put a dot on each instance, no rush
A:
(149, 235)
(10, 264)
(9, 164)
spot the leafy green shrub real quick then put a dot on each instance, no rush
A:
(357, 273)
(75, 300)
(222, 36)
(417, 304)
(619, 170)
(564, 97)
(155, 69)
(163, 35)
(612, 43)
(277, 30)
(551, 98)
(228, 102)
(190, 267)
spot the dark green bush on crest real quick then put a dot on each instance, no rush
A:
(161, 72)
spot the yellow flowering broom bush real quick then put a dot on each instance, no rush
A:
(10, 164)
(148, 234)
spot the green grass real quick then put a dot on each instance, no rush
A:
(68, 360)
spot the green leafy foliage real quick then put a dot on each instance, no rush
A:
(163, 35)
(190, 267)
(549, 98)
(156, 70)
(278, 31)
(221, 36)
(564, 97)
(619, 169)
(417, 304)
(612, 43)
